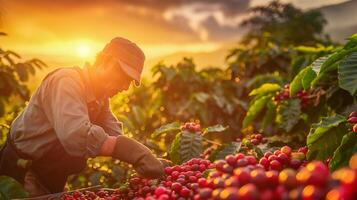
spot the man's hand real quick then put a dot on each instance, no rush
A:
(135, 153)
(165, 163)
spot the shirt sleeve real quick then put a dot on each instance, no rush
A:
(109, 122)
(65, 106)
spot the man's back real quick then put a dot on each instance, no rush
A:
(63, 93)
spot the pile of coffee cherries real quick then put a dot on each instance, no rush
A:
(237, 180)
(352, 119)
(240, 177)
(180, 182)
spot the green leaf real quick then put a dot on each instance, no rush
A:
(11, 189)
(302, 80)
(127, 122)
(255, 109)
(325, 137)
(296, 84)
(225, 149)
(202, 97)
(191, 146)
(118, 173)
(185, 147)
(265, 88)
(353, 37)
(337, 56)
(307, 49)
(30, 68)
(175, 150)
(167, 128)
(21, 71)
(139, 115)
(288, 114)
(215, 129)
(270, 115)
(344, 152)
(347, 74)
(324, 74)
(258, 152)
(316, 65)
(309, 76)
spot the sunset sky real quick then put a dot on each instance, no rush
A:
(71, 32)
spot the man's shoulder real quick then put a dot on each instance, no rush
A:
(65, 73)
(72, 72)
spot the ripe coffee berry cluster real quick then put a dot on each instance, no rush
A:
(285, 94)
(282, 95)
(256, 139)
(352, 119)
(191, 127)
(304, 98)
(282, 158)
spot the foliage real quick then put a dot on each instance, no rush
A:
(284, 24)
(288, 114)
(324, 137)
(345, 151)
(279, 35)
(11, 189)
(224, 150)
(13, 75)
(323, 87)
(103, 171)
(206, 96)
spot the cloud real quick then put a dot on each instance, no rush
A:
(184, 20)
(229, 7)
(224, 33)
(213, 18)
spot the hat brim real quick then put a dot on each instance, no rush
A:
(131, 72)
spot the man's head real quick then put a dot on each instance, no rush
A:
(117, 66)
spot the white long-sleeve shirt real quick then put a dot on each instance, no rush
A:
(64, 108)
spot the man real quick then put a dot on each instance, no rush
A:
(68, 119)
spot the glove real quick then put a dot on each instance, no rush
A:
(135, 153)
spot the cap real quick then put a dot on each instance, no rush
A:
(130, 57)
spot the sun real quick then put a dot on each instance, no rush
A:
(83, 51)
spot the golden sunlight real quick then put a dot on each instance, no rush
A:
(83, 51)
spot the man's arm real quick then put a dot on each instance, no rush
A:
(65, 106)
(109, 122)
